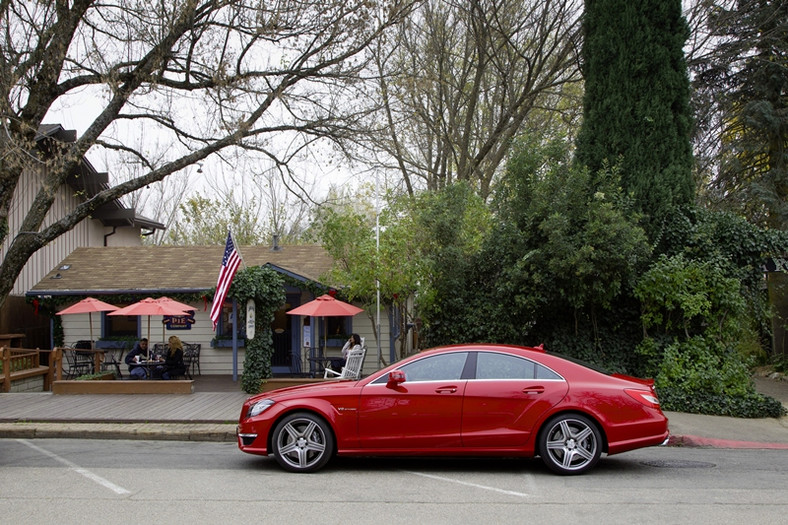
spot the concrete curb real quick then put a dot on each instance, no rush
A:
(698, 441)
(135, 431)
(225, 432)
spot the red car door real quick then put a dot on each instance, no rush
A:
(424, 412)
(508, 396)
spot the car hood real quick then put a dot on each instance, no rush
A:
(308, 389)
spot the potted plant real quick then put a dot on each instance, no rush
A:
(99, 376)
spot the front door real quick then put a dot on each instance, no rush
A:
(282, 360)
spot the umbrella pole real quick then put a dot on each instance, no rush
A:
(148, 338)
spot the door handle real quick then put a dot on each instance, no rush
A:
(446, 390)
(531, 390)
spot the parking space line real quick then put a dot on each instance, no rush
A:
(467, 484)
(76, 468)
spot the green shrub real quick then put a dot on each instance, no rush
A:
(750, 405)
(91, 377)
(701, 377)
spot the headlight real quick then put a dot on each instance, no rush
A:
(259, 407)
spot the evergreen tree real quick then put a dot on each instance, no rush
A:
(746, 78)
(636, 105)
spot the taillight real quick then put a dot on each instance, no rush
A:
(647, 397)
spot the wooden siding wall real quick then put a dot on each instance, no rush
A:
(87, 233)
(44, 260)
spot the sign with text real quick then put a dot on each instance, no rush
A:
(250, 319)
(179, 322)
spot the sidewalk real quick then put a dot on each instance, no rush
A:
(212, 411)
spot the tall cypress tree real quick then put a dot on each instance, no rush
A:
(636, 105)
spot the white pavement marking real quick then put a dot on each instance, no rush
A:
(474, 485)
(76, 468)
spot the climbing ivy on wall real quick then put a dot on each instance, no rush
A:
(266, 287)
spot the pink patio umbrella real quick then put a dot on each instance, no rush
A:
(88, 305)
(149, 307)
(326, 306)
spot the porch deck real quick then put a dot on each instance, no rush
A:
(216, 399)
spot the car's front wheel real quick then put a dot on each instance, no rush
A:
(570, 444)
(302, 442)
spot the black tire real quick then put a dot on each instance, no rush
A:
(570, 444)
(302, 442)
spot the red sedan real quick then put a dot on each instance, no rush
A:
(463, 400)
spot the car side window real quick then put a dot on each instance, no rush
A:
(444, 367)
(542, 372)
(501, 366)
(491, 365)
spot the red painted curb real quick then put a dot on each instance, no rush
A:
(697, 441)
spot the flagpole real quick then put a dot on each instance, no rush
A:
(237, 247)
(235, 309)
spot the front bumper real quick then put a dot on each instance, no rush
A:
(245, 439)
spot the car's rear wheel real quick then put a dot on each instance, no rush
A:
(302, 442)
(570, 444)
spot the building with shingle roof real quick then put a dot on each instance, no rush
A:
(117, 274)
(161, 270)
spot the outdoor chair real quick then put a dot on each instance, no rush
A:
(160, 350)
(77, 363)
(352, 368)
(113, 357)
(191, 358)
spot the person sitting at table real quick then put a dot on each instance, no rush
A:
(173, 363)
(353, 343)
(140, 349)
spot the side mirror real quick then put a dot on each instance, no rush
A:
(396, 378)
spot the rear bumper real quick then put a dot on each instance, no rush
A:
(650, 441)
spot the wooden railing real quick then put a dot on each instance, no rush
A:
(21, 363)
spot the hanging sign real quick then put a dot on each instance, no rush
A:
(179, 322)
(250, 319)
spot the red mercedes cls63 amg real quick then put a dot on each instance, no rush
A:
(462, 400)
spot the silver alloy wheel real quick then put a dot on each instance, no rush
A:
(302, 443)
(570, 444)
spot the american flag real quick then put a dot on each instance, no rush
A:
(230, 263)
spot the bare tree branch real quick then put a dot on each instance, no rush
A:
(202, 76)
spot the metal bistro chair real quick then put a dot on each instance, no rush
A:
(77, 363)
(352, 368)
(191, 359)
(159, 350)
(113, 357)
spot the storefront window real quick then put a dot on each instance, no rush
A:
(120, 325)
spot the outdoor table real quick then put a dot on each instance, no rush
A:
(317, 365)
(149, 366)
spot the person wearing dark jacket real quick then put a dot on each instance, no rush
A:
(140, 349)
(173, 363)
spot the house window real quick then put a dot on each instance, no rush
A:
(338, 326)
(120, 325)
(224, 329)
